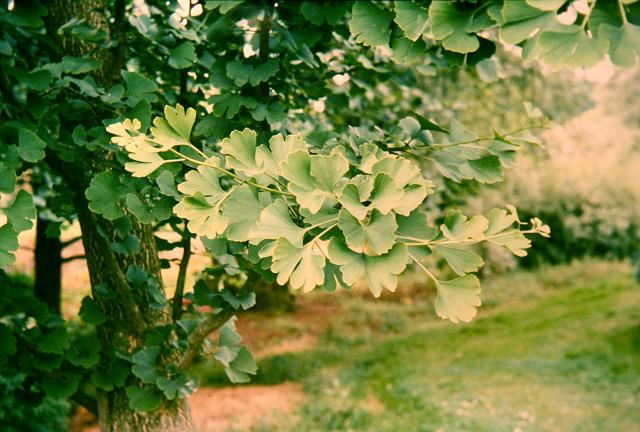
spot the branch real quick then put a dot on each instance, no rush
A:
(71, 241)
(73, 258)
(264, 29)
(120, 29)
(182, 273)
(197, 338)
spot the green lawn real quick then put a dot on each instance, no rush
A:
(553, 350)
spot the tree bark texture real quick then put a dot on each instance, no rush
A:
(129, 314)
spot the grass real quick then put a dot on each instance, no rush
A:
(553, 350)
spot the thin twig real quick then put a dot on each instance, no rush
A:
(71, 241)
(73, 258)
(197, 338)
(182, 273)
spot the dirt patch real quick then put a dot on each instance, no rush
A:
(267, 335)
(243, 407)
(83, 421)
(220, 409)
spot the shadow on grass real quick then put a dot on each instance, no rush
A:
(272, 370)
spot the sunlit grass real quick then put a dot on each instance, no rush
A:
(553, 350)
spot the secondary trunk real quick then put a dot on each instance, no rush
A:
(48, 267)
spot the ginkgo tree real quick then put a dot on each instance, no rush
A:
(243, 158)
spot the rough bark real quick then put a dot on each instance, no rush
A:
(48, 267)
(173, 417)
(129, 314)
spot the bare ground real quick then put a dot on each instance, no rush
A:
(221, 409)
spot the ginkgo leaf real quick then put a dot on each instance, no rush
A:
(461, 42)
(181, 121)
(183, 56)
(146, 163)
(407, 176)
(275, 222)
(206, 181)
(415, 228)
(386, 194)
(312, 179)
(327, 170)
(205, 218)
(412, 18)
(373, 237)
(458, 299)
(21, 212)
(144, 398)
(487, 169)
(30, 146)
(403, 171)
(127, 135)
(121, 130)
(333, 278)
(499, 220)
(450, 25)
(413, 195)
(380, 192)
(140, 209)
(369, 155)
(546, 5)
(624, 43)
(105, 193)
(460, 260)
(521, 20)
(354, 193)
(240, 149)
(457, 227)
(571, 48)
(239, 72)
(282, 147)
(263, 72)
(379, 272)
(302, 267)
(513, 240)
(174, 129)
(242, 209)
(370, 24)
(8, 243)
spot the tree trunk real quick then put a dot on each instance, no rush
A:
(129, 318)
(48, 267)
(130, 315)
(116, 416)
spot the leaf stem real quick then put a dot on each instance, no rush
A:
(230, 174)
(585, 20)
(476, 140)
(421, 242)
(320, 224)
(326, 230)
(623, 13)
(426, 270)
